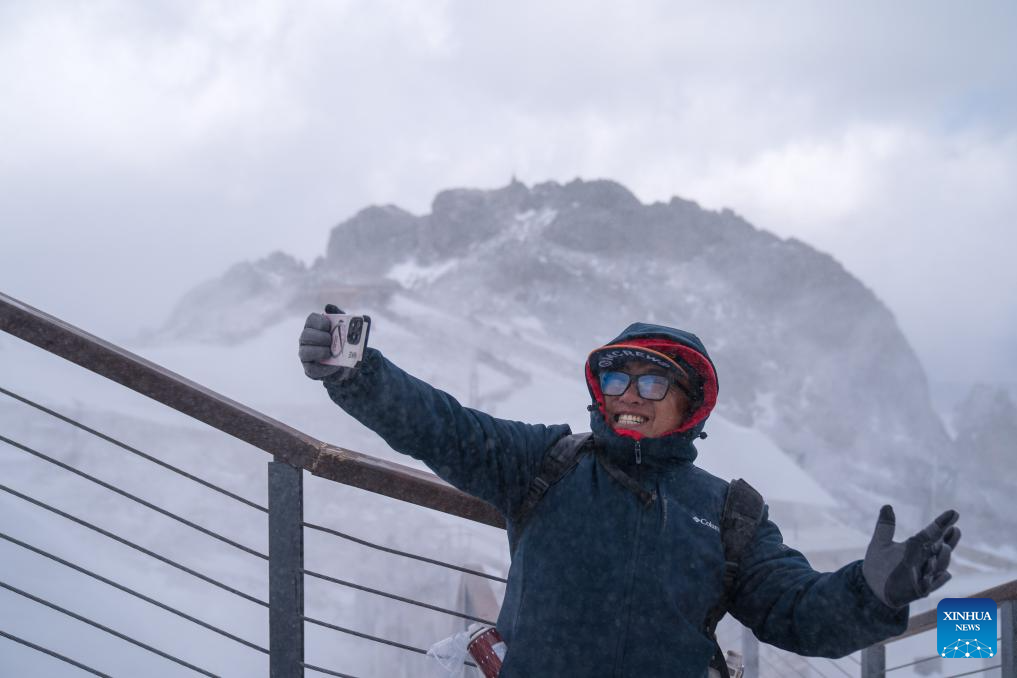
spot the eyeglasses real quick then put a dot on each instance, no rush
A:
(649, 386)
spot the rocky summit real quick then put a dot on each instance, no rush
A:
(805, 352)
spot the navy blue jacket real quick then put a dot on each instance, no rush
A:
(600, 584)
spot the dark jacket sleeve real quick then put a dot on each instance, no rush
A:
(493, 459)
(788, 604)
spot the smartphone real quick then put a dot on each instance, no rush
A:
(349, 338)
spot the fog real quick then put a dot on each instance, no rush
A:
(144, 148)
(147, 148)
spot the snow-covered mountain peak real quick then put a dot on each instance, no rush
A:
(806, 353)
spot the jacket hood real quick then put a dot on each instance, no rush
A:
(688, 348)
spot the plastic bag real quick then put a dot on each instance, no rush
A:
(450, 654)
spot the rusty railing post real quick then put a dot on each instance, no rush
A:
(874, 661)
(285, 570)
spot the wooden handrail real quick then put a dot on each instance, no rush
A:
(283, 442)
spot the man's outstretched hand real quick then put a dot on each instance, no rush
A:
(902, 572)
(316, 344)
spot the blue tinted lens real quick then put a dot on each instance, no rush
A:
(652, 386)
(613, 383)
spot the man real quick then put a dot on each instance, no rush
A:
(621, 560)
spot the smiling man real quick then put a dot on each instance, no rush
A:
(644, 391)
(621, 555)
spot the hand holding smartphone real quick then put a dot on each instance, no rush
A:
(349, 339)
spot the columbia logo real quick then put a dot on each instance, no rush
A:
(704, 521)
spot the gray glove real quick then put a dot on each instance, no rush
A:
(316, 344)
(902, 572)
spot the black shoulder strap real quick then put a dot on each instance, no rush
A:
(557, 462)
(743, 511)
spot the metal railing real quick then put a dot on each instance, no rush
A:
(292, 453)
(1005, 596)
(763, 660)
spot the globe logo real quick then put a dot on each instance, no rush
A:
(966, 628)
(967, 648)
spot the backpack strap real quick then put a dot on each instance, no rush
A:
(557, 462)
(625, 480)
(743, 511)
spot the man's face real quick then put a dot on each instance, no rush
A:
(649, 417)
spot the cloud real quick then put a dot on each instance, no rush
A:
(924, 219)
(165, 141)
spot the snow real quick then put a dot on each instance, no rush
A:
(733, 451)
(528, 224)
(411, 274)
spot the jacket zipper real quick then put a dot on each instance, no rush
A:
(639, 453)
(623, 635)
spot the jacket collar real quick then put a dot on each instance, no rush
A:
(654, 453)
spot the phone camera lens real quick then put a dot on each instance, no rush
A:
(353, 335)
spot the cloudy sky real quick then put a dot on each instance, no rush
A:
(145, 147)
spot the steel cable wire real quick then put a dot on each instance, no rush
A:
(395, 597)
(51, 653)
(926, 659)
(971, 673)
(134, 498)
(367, 636)
(786, 662)
(224, 491)
(917, 661)
(838, 667)
(134, 546)
(132, 592)
(327, 672)
(397, 552)
(765, 659)
(107, 629)
(811, 666)
(135, 451)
